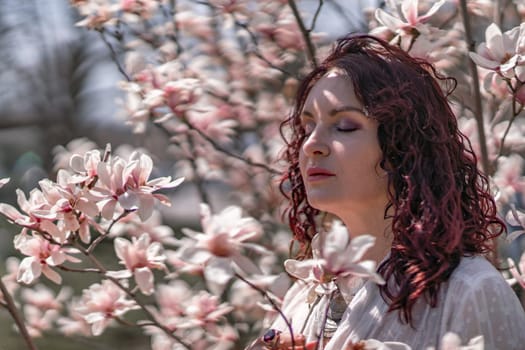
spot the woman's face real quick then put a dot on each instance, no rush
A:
(339, 159)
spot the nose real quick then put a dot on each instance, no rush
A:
(315, 145)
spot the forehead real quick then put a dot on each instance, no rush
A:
(334, 89)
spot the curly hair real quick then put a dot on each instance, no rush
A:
(440, 205)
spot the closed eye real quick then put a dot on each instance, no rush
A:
(345, 125)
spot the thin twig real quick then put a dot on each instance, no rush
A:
(325, 317)
(314, 20)
(103, 235)
(114, 56)
(477, 95)
(515, 113)
(274, 305)
(11, 307)
(256, 50)
(310, 48)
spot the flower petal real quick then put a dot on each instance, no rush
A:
(144, 279)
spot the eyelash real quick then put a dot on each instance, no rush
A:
(340, 129)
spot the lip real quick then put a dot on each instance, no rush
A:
(316, 173)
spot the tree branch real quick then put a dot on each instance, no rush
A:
(11, 307)
(477, 95)
(310, 48)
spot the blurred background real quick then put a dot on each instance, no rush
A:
(58, 84)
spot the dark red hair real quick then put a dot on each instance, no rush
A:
(439, 202)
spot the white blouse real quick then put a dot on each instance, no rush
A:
(476, 300)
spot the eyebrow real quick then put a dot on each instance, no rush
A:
(334, 111)
(345, 109)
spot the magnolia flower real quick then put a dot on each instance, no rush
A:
(75, 148)
(336, 258)
(172, 297)
(508, 178)
(518, 272)
(44, 298)
(219, 247)
(39, 320)
(192, 23)
(85, 165)
(452, 341)
(204, 309)
(101, 303)
(515, 218)
(70, 204)
(37, 209)
(141, 8)
(126, 184)
(501, 52)
(139, 256)
(407, 17)
(42, 255)
(74, 323)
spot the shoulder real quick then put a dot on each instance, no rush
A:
(478, 301)
(473, 270)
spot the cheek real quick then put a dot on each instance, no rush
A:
(302, 161)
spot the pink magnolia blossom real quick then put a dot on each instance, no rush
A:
(336, 258)
(515, 218)
(41, 256)
(451, 341)
(126, 186)
(180, 94)
(518, 272)
(501, 52)
(77, 147)
(103, 302)
(42, 307)
(285, 33)
(74, 323)
(204, 310)
(142, 8)
(37, 209)
(407, 17)
(508, 178)
(219, 248)
(139, 257)
(230, 6)
(71, 204)
(85, 165)
(193, 24)
(39, 320)
(214, 123)
(44, 298)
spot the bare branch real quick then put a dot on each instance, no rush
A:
(310, 48)
(477, 95)
(114, 55)
(11, 307)
(317, 12)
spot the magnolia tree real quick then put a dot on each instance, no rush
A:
(218, 77)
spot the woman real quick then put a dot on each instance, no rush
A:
(375, 143)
